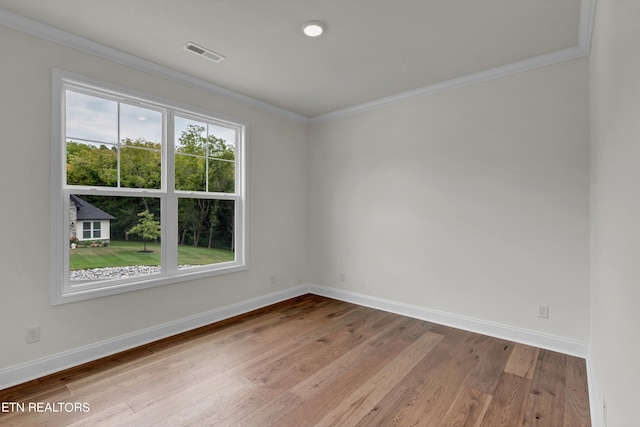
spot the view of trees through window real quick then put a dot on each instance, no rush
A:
(114, 145)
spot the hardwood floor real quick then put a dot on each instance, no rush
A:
(314, 361)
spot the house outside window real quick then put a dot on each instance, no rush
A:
(88, 222)
(149, 192)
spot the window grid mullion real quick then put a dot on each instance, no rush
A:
(118, 150)
(170, 249)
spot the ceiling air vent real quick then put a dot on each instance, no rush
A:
(199, 50)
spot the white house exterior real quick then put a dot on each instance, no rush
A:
(87, 222)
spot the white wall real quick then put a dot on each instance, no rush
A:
(615, 209)
(278, 187)
(472, 202)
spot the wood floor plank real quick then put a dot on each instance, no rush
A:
(418, 378)
(407, 330)
(522, 361)
(365, 398)
(60, 381)
(320, 394)
(119, 414)
(297, 365)
(467, 409)
(508, 403)
(213, 406)
(161, 355)
(170, 373)
(486, 374)
(576, 407)
(335, 374)
(272, 413)
(315, 361)
(428, 405)
(470, 406)
(545, 404)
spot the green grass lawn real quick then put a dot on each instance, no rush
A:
(119, 254)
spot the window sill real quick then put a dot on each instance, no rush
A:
(76, 293)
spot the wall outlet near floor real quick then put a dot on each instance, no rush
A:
(33, 334)
(604, 412)
(343, 276)
(273, 279)
(543, 311)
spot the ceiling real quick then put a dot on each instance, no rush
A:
(371, 49)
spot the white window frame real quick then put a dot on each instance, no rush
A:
(62, 290)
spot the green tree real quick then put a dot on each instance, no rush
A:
(138, 162)
(91, 165)
(147, 228)
(140, 165)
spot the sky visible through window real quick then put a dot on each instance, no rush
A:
(96, 119)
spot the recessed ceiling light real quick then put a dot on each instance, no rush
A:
(313, 28)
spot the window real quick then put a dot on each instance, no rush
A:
(90, 230)
(146, 191)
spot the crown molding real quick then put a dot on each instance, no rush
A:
(38, 29)
(468, 80)
(585, 30)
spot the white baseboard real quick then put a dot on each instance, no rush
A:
(536, 339)
(28, 371)
(38, 368)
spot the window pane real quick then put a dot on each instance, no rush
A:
(126, 239)
(92, 164)
(190, 136)
(228, 135)
(140, 124)
(190, 173)
(221, 159)
(205, 228)
(140, 165)
(91, 118)
(205, 156)
(221, 175)
(96, 230)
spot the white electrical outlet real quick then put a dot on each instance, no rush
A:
(343, 276)
(273, 279)
(543, 311)
(604, 412)
(33, 334)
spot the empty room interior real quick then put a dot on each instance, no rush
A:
(450, 186)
